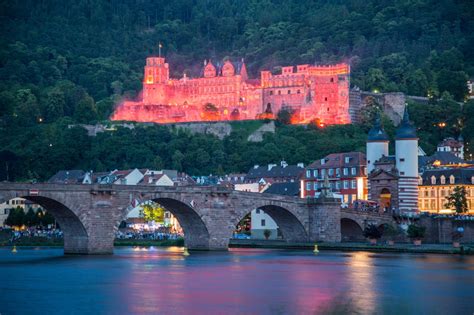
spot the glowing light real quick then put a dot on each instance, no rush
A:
(442, 124)
(238, 98)
(360, 188)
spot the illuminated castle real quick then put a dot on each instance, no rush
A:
(224, 92)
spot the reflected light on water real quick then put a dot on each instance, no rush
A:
(361, 275)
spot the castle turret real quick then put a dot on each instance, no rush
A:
(377, 144)
(406, 155)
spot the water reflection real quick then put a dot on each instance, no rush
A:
(158, 280)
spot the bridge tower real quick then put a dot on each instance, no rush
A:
(406, 155)
(377, 144)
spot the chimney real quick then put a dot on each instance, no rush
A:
(301, 165)
(283, 164)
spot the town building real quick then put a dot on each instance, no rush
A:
(452, 145)
(223, 91)
(437, 184)
(71, 177)
(393, 180)
(273, 173)
(346, 173)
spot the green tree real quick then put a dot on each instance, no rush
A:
(16, 217)
(55, 104)
(86, 111)
(27, 109)
(30, 218)
(457, 200)
(153, 212)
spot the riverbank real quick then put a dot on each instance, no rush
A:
(466, 249)
(42, 241)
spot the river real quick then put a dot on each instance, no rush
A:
(241, 281)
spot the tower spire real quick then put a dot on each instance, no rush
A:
(159, 49)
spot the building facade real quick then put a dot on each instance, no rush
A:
(225, 92)
(437, 184)
(346, 172)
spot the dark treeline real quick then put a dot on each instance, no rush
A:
(64, 62)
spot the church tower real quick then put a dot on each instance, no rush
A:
(406, 159)
(377, 144)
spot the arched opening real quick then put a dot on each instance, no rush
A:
(385, 199)
(351, 231)
(184, 222)
(287, 227)
(76, 240)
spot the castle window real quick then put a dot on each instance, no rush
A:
(279, 92)
(433, 180)
(271, 92)
(325, 99)
(451, 179)
(332, 79)
(442, 180)
(328, 109)
(298, 91)
(289, 91)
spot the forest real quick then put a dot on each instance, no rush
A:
(70, 62)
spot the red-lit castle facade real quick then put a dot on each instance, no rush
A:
(224, 92)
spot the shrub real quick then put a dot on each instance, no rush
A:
(416, 232)
(371, 231)
(267, 233)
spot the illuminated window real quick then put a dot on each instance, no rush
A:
(451, 179)
(442, 180)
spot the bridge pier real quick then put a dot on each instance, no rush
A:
(324, 220)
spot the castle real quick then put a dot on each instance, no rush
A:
(225, 92)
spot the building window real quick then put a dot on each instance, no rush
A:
(289, 91)
(346, 184)
(442, 180)
(308, 173)
(353, 184)
(308, 186)
(338, 185)
(330, 172)
(279, 92)
(263, 222)
(271, 92)
(338, 172)
(365, 171)
(315, 185)
(353, 171)
(315, 173)
(257, 211)
(433, 180)
(402, 160)
(402, 173)
(451, 179)
(298, 91)
(347, 159)
(323, 173)
(345, 171)
(326, 99)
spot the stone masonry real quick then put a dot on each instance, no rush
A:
(89, 215)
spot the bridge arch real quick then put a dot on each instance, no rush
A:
(291, 228)
(196, 234)
(76, 238)
(351, 231)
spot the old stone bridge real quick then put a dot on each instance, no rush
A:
(89, 215)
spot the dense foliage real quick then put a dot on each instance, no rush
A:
(69, 62)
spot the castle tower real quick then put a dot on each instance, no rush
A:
(155, 80)
(377, 144)
(406, 157)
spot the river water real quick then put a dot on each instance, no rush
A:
(241, 281)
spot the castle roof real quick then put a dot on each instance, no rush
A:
(406, 130)
(377, 133)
